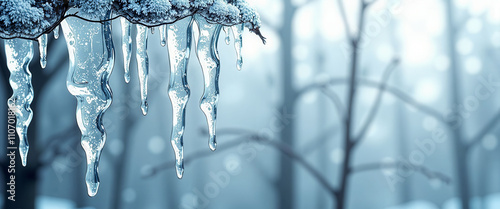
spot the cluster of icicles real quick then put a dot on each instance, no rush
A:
(91, 54)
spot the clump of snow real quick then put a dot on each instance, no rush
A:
(202, 4)
(28, 18)
(31, 18)
(248, 14)
(92, 8)
(222, 12)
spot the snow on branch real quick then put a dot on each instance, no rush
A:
(29, 19)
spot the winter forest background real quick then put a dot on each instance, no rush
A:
(420, 116)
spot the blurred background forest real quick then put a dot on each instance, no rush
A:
(386, 104)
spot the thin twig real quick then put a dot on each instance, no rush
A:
(378, 100)
(404, 97)
(282, 147)
(334, 97)
(394, 165)
(345, 22)
(486, 129)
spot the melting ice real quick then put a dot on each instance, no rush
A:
(19, 54)
(143, 64)
(91, 57)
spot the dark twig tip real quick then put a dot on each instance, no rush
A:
(257, 31)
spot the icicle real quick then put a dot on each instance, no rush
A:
(141, 41)
(208, 57)
(179, 46)
(227, 39)
(56, 32)
(126, 47)
(91, 55)
(42, 46)
(163, 35)
(238, 43)
(152, 30)
(19, 54)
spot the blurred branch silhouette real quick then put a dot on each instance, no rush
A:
(393, 165)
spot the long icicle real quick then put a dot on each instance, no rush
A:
(42, 46)
(208, 57)
(141, 41)
(238, 43)
(163, 35)
(91, 54)
(126, 47)
(179, 47)
(19, 54)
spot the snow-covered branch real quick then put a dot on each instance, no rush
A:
(29, 19)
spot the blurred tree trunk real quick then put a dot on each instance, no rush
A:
(462, 181)
(286, 184)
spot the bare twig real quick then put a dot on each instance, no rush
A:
(282, 147)
(320, 139)
(378, 100)
(345, 22)
(486, 129)
(334, 97)
(430, 174)
(404, 97)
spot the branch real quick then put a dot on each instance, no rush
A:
(345, 22)
(321, 138)
(334, 97)
(394, 165)
(282, 147)
(378, 100)
(486, 129)
(388, 89)
(54, 148)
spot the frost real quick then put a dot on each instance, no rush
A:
(28, 18)
(19, 54)
(92, 8)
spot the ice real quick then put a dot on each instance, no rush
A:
(91, 55)
(42, 46)
(19, 54)
(143, 64)
(208, 56)
(126, 47)
(179, 47)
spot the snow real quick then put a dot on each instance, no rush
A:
(30, 18)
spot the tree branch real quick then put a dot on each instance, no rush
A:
(376, 106)
(388, 89)
(394, 165)
(486, 129)
(280, 146)
(334, 97)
